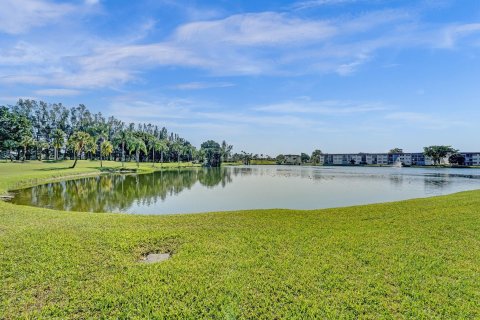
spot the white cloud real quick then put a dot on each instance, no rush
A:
(254, 29)
(322, 107)
(265, 43)
(454, 33)
(57, 92)
(427, 121)
(319, 3)
(202, 85)
(18, 16)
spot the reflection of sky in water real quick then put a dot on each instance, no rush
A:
(236, 188)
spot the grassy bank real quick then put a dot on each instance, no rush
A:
(409, 259)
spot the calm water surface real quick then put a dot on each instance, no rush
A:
(248, 187)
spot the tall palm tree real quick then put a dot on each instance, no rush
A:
(101, 135)
(177, 148)
(226, 150)
(163, 146)
(106, 149)
(26, 141)
(91, 147)
(122, 138)
(153, 144)
(137, 145)
(58, 141)
(78, 142)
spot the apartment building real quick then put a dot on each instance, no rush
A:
(471, 158)
(387, 159)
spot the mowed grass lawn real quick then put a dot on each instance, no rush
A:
(409, 259)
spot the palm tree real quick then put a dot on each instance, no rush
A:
(78, 142)
(106, 149)
(177, 148)
(122, 138)
(137, 145)
(26, 141)
(153, 144)
(58, 141)
(91, 147)
(226, 150)
(101, 136)
(163, 146)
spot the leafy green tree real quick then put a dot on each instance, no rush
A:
(58, 141)
(41, 146)
(280, 159)
(10, 145)
(78, 142)
(438, 152)
(396, 151)
(457, 159)
(304, 157)
(26, 142)
(316, 154)
(106, 149)
(137, 145)
(212, 153)
(13, 128)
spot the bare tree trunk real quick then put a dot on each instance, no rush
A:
(75, 163)
(153, 159)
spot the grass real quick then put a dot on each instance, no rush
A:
(410, 259)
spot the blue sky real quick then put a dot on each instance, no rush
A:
(267, 76)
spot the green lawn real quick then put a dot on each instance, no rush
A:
(409, 259)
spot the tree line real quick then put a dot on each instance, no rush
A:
(38, 130)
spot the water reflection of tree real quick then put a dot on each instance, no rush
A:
(435, 185)
(113, 193)
(214, 176)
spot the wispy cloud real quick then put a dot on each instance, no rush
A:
(262, 43)
(202, 85)
(301, 5)
(322, 107)
(255, 29)
(57, 92)
(18, 16)
(455, 33)
(425, 120)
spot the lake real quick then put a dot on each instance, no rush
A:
(246, 187)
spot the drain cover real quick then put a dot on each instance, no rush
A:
(155, 257)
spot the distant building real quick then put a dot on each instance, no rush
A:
(389, 159)
(292, 159)
(471, 158)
